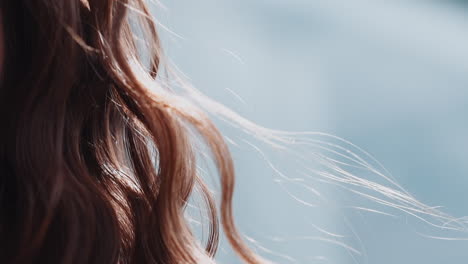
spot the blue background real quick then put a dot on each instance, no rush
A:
(390, 76)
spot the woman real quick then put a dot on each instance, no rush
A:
(98, 156)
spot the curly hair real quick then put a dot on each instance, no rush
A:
(98, 156)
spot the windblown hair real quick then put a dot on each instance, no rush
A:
(98, 156)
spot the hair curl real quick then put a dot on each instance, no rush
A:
(98, 156)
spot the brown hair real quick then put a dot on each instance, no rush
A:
(98, 156)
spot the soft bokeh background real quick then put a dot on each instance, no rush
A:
(390, 76)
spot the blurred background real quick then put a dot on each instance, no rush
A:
(389, 76)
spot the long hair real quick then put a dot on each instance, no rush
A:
(98, 158)
(99, 152)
